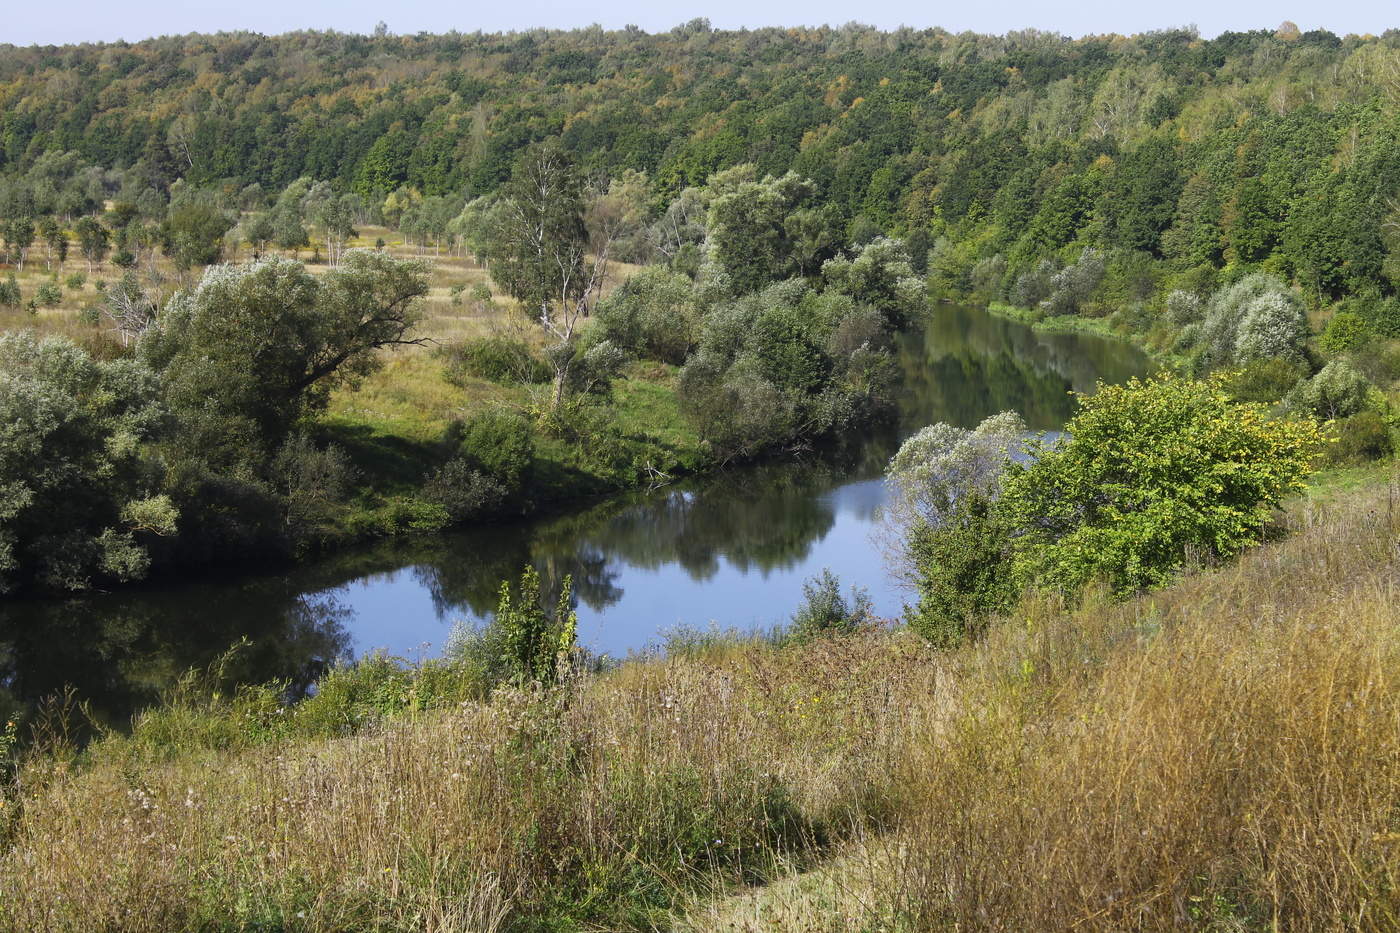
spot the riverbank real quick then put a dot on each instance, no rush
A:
(1233, 761)
(1074, 324)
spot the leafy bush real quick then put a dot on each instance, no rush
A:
(10, 296)
(498, 444)
(48, 295)
(1256, 318)
(76, 281)
(825, 612)
(497, 358)
(1346, 331)
(1148, 474)
(538, 647)
(315, 482)
(464, 492)
(1381, 315)
(1335, 392)
(963, 572)
(79, 492)
(652, 315)
(1361, 437)
(1263, 380)
(1073, 286)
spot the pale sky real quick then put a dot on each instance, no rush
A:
(27, 23)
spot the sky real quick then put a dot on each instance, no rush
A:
(104, 20)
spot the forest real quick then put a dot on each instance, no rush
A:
(787, 199)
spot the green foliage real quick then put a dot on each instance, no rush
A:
(1335, 392)
(254, 347)
(825, 612)
(1256, 318)
(193, 233)
(79, 494)
(10, 296)
(538, 648)
(653, 315)
(499, 358)
(1150, 475)
(48, 295)
(1361, 437)
(536, 239)
(749, 231)
(963, 572)
(499, 445)
(1346, 331)
(1267, 380)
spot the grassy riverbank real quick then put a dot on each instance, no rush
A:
(1219, 754)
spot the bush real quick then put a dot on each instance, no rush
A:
(1336, 392)
(497, 358)
(1361, 437)
(825, 612)
(1151, 473)
(1256, 318)
(76, 281)
(962, 573)
(49, 295)
(498, 444)
(538, 648)
(1263, 380)
(652, 315)
(464, 492)
(9, 292)
(1381, 315)
(1346, 331)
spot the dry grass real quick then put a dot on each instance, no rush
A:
(1224, 754)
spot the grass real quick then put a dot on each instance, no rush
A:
(1221, 754)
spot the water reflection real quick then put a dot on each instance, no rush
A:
(734, 548)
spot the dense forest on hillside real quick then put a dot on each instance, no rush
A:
(700, 245)
(1266, 147)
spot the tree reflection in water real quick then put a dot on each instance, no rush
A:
(683, 542)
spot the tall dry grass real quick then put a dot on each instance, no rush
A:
(1224, 754)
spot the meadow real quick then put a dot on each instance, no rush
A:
(1220, 754)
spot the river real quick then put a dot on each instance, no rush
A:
(731, 550)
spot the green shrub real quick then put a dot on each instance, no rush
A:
(538, 647)
(497, 358)
(1335, 392)
(825, 612)
(1266, 380)
(76, 281)
(963, 573)
(1381, 315)
(9, 292)
(653, 315)
(1150, 473)
(498, 444)
(1346, 331)
(1361, 437)
(464, 492)
(49, 295)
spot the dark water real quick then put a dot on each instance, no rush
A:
(732, 549)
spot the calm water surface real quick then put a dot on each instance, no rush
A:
(732, 550)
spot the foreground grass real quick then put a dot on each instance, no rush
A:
(1223, 754)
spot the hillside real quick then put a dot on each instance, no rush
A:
(1272, 148)
(1220, 754)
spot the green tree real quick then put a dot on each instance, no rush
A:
(538, 251)
(1148, 475)
(93, 239)
(79, 492)
(19, 237)
(253, 347)
(193, 234)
